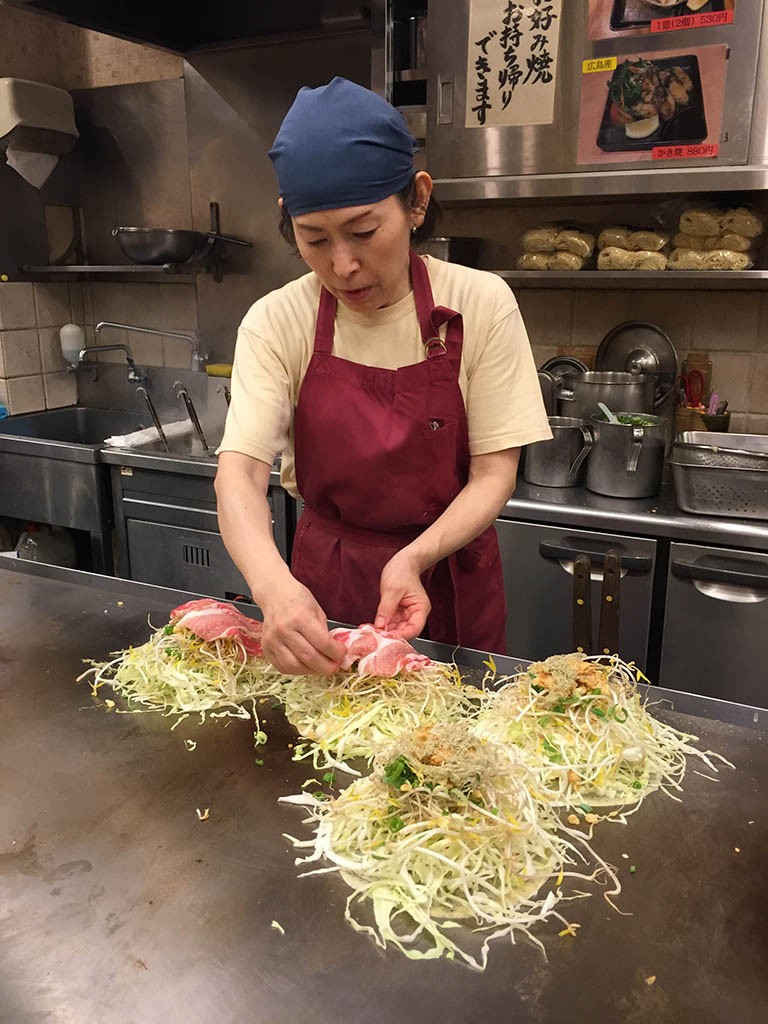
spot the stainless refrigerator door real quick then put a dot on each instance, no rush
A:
(538, 582)
(716, 624)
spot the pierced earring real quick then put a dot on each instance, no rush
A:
(413, 230)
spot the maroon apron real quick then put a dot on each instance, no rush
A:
(380, 455)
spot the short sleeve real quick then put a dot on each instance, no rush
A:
(505, 408)
(259, 416)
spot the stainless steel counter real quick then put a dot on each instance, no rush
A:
(119, 905)
(648, 517)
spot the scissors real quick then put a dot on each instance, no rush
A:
(695, 385)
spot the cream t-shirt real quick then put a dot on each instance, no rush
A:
(274, 346)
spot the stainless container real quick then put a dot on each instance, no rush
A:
(457, 249)
(560, 461)
(627, 461)
(721, 474)
(579, 393)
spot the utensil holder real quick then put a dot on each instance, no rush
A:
(688, 419)
(720, 423)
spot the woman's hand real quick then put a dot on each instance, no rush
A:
(296, 638)
(404, 605)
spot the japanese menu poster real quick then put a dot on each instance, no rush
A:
(512, 62)
(611, 19)
(657, 105)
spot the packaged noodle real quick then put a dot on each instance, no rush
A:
(565, 261)
(744, 222)
(549, 261)
(633, 240)
(614, 237)
(734, 241)
(716, 259)
(613, 258)
(727, 240)
(647, 241)
(702, 221)
(725, 259)
(577, 242)
(686, 259)
(541, 239)
(533, 261)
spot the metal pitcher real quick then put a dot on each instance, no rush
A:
(579, 393)
(627, 460)
(560, 461)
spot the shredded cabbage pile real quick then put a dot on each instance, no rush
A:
(350, 716)
(445, 831)
(584, 727)
(178, 673)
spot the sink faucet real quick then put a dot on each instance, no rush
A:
(153, 413)
(135, 375)
(181, 392)
(198, 357)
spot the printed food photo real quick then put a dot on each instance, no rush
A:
(639, 13)
(653, 102)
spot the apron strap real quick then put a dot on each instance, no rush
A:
(326, 322)
(432, 318)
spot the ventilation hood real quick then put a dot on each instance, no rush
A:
(198, 25)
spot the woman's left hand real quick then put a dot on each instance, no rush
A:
(404, 605)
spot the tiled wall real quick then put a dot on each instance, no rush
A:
(731, 326)
(55, 53)
(33, 374)
(171, 307)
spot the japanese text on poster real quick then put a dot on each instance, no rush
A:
(512, 62)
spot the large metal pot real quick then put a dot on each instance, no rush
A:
(578, 394)
(627, 459)
(559, 462)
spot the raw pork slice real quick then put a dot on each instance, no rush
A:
(215, 620)
(378, 652)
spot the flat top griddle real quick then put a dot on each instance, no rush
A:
(119, 905)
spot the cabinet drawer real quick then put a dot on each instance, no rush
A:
(538, 583)
(716, 624)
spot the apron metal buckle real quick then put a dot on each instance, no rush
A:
(434, 345)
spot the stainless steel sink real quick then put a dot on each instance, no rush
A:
(76, 425)
(51, 471)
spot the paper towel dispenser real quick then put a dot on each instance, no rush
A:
(36, 118)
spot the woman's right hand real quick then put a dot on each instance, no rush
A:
(296, 638)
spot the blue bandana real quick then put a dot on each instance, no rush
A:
(341, 145)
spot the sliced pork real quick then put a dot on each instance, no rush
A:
(216, 620)
(378, 652)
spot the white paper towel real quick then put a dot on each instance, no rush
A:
(36, 168)
(139, 437)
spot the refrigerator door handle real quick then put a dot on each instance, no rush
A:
(698, 573)
(556, 552)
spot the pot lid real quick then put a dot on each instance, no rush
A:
(639, 347)
(562, 366)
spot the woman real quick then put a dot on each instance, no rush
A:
(400, 415)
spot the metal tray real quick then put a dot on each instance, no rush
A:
(716, 489)
(687, 127)
(638, 14)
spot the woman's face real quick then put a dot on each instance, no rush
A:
(360, 253)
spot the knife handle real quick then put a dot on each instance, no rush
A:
(582, 604)
(610, 605)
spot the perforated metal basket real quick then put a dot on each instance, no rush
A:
(710, 480)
